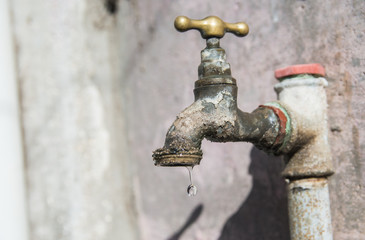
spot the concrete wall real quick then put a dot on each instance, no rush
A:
(77, 158)
(101, 85)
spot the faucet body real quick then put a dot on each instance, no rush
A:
(214, 115)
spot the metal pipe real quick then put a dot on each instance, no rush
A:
(302, 91)
(309, 209)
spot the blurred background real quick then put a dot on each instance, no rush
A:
(90, 87)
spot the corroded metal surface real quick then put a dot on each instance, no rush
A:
(177, 157)
(309, 209)
(307, 152)
(213, 66)
(284, 123)
(215, 116)
(307, 156)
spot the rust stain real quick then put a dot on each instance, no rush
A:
(282, 121)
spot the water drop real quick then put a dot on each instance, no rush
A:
(192, 189)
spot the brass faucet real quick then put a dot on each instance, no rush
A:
(273, 127)
(214, 115)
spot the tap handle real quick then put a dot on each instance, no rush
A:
(211, 27)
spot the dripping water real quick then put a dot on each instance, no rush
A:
(192, 189)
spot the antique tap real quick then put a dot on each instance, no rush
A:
(295, 126)
(275, 127)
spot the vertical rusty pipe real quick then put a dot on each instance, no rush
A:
(309, 209)
(308, 157)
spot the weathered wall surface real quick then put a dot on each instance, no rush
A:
(78, 172)
(241, 192)
(100, 89)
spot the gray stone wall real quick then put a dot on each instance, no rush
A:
(100, 87)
